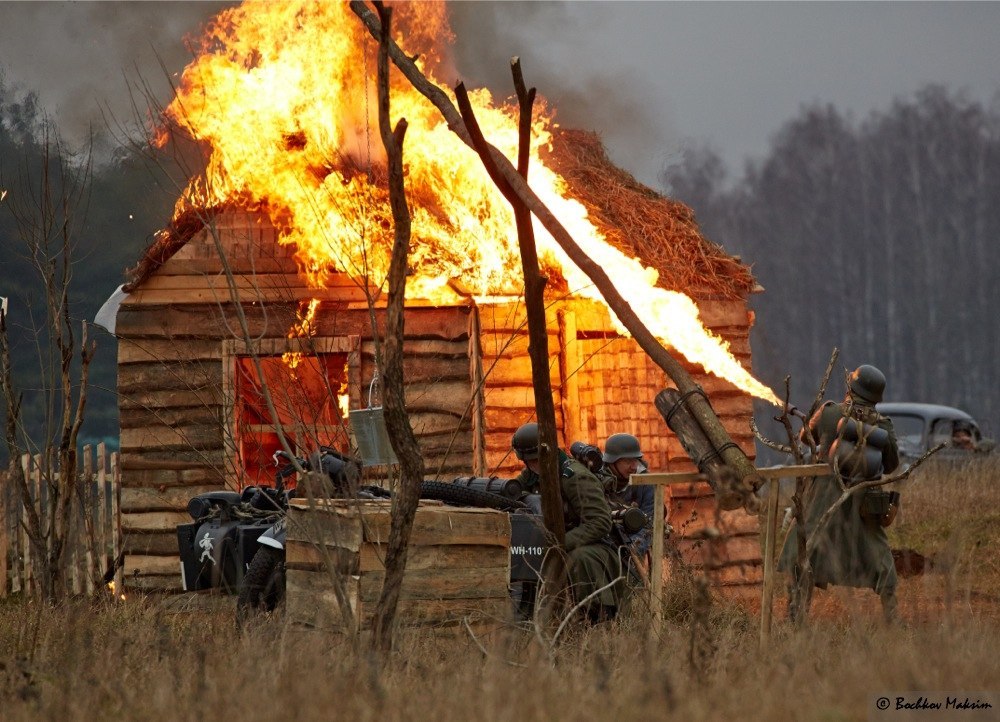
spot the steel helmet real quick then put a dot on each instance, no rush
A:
(525, 442)
(621, 446)
(866, 383)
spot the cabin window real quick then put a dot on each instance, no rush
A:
(309, 395)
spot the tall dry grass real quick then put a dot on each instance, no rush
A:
(138, 661)
(83, 661)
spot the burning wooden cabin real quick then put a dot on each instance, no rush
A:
(228, 303)
(219, 309)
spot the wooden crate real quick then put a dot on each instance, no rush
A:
(458, 563)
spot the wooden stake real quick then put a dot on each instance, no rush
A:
(770, 532)
(656, 563)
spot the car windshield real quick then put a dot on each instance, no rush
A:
(909, 431)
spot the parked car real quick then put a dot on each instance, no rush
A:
(920, 427)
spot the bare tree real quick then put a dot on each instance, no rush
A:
(48, 210)
(404, 443)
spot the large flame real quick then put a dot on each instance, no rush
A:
(284, 94)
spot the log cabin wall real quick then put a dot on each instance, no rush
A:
(179, 333)
(468, 387)
(605, 384)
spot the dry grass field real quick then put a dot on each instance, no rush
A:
(143, 659)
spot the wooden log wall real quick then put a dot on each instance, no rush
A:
(605, 385)
(176, 436)
(507, 390)
(458, 564)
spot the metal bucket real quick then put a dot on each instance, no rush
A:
(371, 436)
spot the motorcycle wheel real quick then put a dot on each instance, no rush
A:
(263, 586)
(464, 496)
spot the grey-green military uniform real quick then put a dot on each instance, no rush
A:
(853, 550)
(594, 561)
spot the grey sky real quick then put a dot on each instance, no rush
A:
(650, 76)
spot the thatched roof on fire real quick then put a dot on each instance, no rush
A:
(639, 221)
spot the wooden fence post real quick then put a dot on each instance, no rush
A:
(116, 520)
(4, 534)
(770, 531)
(102, 533)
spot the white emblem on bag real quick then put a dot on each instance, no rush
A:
(206, 544)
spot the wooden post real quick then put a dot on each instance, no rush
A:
(569, 364)
(116, 520)
(4, 537)
(85, 528)
(661, 480)
(101, 531)
(656, 562)
(478, 393)
(770, 531)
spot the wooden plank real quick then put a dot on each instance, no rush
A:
(149, 565)
(133, 418)
(442, 583)
(329, 525)
(139, 378)
(195, 321)
(768, 472)
(311, 601)
(156, 543)
(569, 379)
(430, 423)
(170, 498)
(507, 420)
(371, 557)
(166, 351)
(103, 517)
(247, 294)
(87, 523)
(162, 438)
(279, 278)
(116, 516)
(515, 397)
(517, 372)
(188, 476)
(153, 521)
(445, 525)
(203, 397)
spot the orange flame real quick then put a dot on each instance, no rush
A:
(284, 94)
(302, 328)
(111, 591)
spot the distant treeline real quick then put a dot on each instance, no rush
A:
(878, 237)
(128, 199)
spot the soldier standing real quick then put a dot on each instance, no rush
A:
(593, 560)
(853, 549)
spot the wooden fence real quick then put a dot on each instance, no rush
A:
(94, 540)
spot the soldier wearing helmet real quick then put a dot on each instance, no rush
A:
(593, 561)
(860, 444)
(622, 458)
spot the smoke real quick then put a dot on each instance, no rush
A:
(80, 58)
(588, 84)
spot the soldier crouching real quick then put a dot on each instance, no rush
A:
(595, 572)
